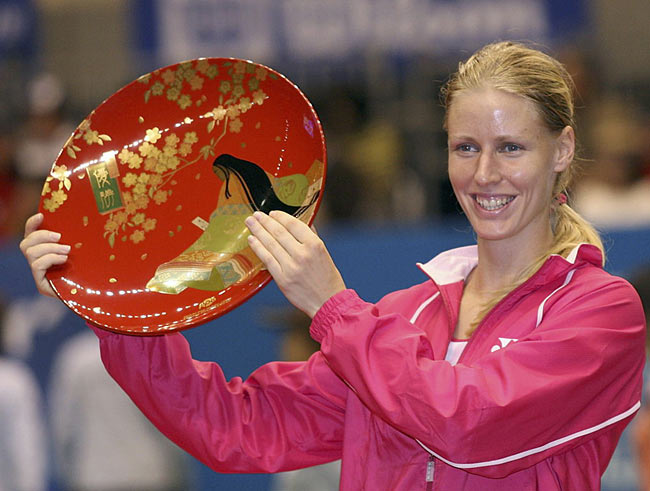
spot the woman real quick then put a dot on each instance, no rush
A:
(516, 365)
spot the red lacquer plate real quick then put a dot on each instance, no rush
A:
(152, 189)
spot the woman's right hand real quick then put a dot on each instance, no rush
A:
(42, 250)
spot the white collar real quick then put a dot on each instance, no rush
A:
(451, 266)
(455, 265)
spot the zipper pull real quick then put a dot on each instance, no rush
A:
(429, 477)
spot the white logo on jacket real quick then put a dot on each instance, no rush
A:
(504, 342)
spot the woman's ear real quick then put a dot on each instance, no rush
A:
(565, 149)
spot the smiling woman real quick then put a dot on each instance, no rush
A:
(515, 365)
(510, 123)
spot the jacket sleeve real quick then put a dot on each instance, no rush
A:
(572, 379)
(284, 416)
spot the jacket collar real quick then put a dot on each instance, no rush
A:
(455, 265)
(451, 266)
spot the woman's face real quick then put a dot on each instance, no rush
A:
(503, 162)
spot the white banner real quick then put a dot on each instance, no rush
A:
(303, 30)
(191, 29)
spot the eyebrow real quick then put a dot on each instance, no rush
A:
(511, 137)
(500, 138)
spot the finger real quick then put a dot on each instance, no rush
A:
(40, 268)
(265, 256)
(38, 237)
(279, 232)
(45, 262)
(266, 238)
(300, 230)
(33, 223)
(40, 250)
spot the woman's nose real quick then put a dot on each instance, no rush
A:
(487, 169)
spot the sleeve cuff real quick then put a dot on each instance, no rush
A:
(330, 311)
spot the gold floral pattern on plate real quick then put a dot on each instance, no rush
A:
(133, 177)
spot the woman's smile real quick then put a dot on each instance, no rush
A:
(493, 203)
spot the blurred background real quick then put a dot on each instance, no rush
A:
(372, 69)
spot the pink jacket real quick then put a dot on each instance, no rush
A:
(537, 400)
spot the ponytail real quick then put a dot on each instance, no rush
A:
(571, 230)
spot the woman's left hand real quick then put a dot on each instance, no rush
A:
(296, 258)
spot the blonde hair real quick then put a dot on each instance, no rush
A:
(532, 74)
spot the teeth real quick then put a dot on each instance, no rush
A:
(492, 203)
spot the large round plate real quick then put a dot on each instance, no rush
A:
(152, 189)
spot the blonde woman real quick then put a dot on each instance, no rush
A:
(515, 365)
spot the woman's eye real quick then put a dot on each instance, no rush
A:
(464, 147)
(511, 147)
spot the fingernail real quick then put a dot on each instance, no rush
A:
(258, 214)
(67, 248)
(56, 236)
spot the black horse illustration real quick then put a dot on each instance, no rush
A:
(256, 184)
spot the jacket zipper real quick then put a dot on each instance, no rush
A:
(430, 472)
